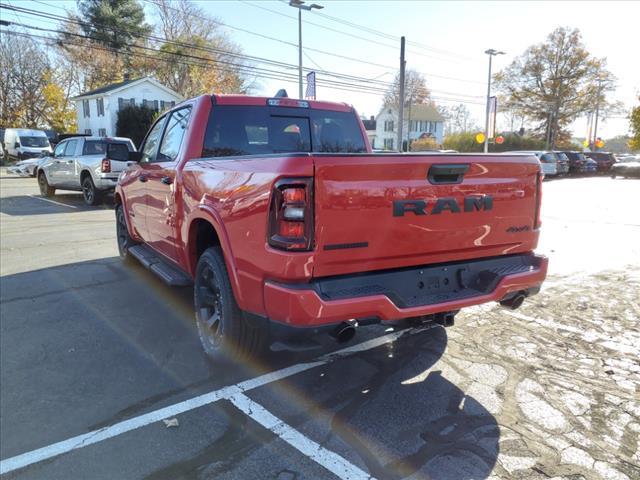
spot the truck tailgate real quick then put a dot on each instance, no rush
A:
(374, 212)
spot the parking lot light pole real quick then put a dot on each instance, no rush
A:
(491, 52)
(299, 4)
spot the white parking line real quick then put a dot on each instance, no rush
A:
(53, 201)
(333, 462)
(80, 441)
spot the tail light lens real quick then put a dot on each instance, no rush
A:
(291, 215)
(537, 216)
(106, 165)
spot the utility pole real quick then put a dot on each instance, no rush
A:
(409, 124)
(401, 106)
(491, 52)
(299, 4)
(300, 53)
(595, 128)
(547, 140)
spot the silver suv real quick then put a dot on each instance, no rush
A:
(87, 164)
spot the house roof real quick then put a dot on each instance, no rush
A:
(106, 88)
(422, 111)
(122, 85)
(369, 124)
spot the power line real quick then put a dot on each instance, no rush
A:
(394, 47)
(341, 76)
(284, 42)
(280, 76)
(390, 36)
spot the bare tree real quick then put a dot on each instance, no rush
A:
(554, 82)
(197, 57)
(23, 76)
(416, 90)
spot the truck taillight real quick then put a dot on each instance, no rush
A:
(291, 215)
(106, 165)
(537, 221)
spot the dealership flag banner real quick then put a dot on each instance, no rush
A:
(311, 86)
(493, 109)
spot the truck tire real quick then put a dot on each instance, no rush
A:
(45, 189)
(222, 327)
(90, 194)
(122, 234)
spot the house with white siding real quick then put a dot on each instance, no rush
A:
(420, 121)
(97, 110)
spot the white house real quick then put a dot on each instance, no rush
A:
(370, 128)
(422, 120)
(97, 110)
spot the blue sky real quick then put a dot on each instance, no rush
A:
(452, 38)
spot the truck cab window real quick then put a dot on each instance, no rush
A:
(252, 130)
(173, 135)
(150, 146)
(59, 151)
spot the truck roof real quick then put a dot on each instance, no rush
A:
(223, 99)
(28, 131)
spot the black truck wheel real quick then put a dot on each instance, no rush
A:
(89, 192)
(45, 189)
(223, 328)
(122, 234)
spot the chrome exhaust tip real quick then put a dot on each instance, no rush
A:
(344, 332)
(514, 302)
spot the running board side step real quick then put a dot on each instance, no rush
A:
(168, 273)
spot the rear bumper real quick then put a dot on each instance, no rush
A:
(404, 293)
(106, 182)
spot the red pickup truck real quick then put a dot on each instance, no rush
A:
(286, 224)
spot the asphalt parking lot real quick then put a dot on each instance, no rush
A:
(102, 375)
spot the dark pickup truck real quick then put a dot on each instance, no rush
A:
(286, 224)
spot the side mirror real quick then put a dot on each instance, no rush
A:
(17, 145)
(135, 156)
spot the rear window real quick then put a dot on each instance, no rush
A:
(99, 147)
(249, 130)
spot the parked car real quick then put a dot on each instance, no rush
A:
(562, 163)
(241, 196)
(87, 164)
(604, 160)
(628, 166)
(24, 143)
(579, 164)
(548, 161)
(29, 166)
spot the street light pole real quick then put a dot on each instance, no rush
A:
(595, 128)
(299, 4)
(491, 52)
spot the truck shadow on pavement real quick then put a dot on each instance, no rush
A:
(24, 205)
(89, 344)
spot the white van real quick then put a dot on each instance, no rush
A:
(23, 143)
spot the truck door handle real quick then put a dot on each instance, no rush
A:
(142, 178)
(166, 180)
(57, 161)
(447, 174)
(69, 161)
